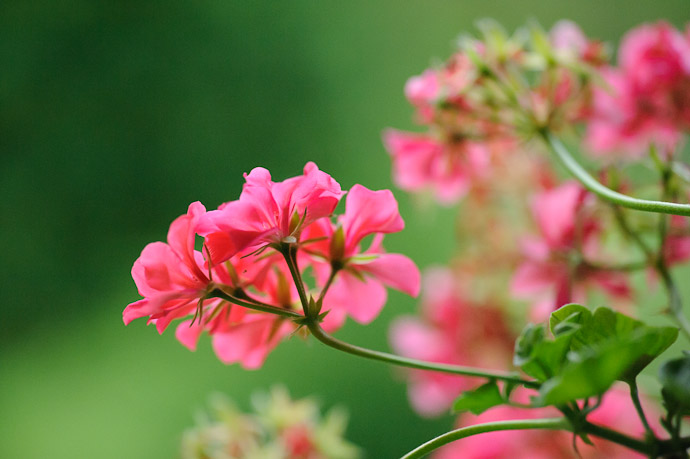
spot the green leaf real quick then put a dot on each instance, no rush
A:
(588, 352)
(539, 357)
(604, 326)
(674, 376)
(480, 399)
(588, 376)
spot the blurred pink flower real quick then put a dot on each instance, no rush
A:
(677, 243)
(616, 411)
(420, 161)
(267, 211)
(451, 330)
(648, 98)
(423, 91)
(551, 273)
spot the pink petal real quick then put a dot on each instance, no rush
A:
(189, 336)
(363, 301)
(368, 212)
(396, 271)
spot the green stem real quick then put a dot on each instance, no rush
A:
(632, 266)
(464, 432)
(675, 300)
(589, 182)
(263, 307)
(331, 278)
(635, 395)
(649, 448)
(289, 252)
(335, 343)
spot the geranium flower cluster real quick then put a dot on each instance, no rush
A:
(479, 105)
(481, 109)
(279, 427)
(244, 284)
(646, 98)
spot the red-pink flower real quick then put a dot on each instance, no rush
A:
(451, 330)
(238, 334)
(359, 287)
(171, 277)
(551, 272)
(268, 212)
(420, 161)
(648, 98)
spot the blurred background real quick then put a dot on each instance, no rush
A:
(114, 116)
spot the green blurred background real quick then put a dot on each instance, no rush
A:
(114, 116)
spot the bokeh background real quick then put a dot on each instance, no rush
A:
(114, 116)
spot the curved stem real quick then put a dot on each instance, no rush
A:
(335, 343)
(218, 293)
(634, 394)
(521, 424)
(589, 182)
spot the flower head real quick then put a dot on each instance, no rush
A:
(268, 212)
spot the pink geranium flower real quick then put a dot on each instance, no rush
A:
(267, 212)
(648, 97)
(359, 287)
(420, 161)
(171, 277)
(449, 332)
(551, 273)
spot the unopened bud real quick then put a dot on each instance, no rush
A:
(338, 244)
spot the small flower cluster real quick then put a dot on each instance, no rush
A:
(487, 97)
(246, 282)
(646, 98)
(279, 428)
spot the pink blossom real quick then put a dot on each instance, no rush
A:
(359, 288)
(550, 273)
(240, 335)
(171, 277)
(449, 332)
(267, 212)
(420, 161)
(422, 91)
(648, 98)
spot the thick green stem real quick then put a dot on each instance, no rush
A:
(634, 394)
(257, 306)
(675, 300)
(589, 182)
(289, 252)
(650, 448)
(522, 424)
(335, 343)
